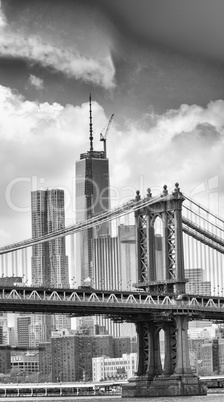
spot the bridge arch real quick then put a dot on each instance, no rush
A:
(160, 274)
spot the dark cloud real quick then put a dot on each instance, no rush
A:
(203, 137)
(159, 51)
(191, 27)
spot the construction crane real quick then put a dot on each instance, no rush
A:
(104, 137)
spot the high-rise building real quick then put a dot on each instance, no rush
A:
(114, 267)
(49, 260)
(72, 354)
(196, 284)
(92, 198)
(45, 359)
(122, 345)
(72, 358)
(103, 345)
(23, 323)
(108, 261)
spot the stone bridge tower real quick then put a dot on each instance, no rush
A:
(175, 377)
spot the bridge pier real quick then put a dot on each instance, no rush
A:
(170, 347)
(177, 378)
(182, 360)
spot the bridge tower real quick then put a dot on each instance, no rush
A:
(176, 377)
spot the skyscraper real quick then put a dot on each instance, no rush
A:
(114, 267)
(92, 198)
(49, 260)
(195, 284)
(23, 323)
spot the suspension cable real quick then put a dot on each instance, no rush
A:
(204, 219)
(204, 209)
(203, 239)
(203, 232)
(125, 209)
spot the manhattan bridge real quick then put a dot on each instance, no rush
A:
(191, 236)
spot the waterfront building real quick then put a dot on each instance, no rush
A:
(207, 358)
(221, 355)
(72, 354)
(71, 358)
(107, 368)
(5, 359)
(211, 356)
(215, 355)
(45, 359)
(27, 363)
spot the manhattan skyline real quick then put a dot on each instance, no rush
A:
(158, 66)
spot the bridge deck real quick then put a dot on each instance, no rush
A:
(120, 305)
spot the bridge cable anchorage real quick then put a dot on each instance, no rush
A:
(117, 212)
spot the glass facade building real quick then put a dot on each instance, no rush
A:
(49, 261)
(92, 198)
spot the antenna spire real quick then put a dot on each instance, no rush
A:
(90, 124)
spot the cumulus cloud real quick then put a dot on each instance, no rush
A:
(68, 61)
(184, 145)
(40, 143)
(37, 82)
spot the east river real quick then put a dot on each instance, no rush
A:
(211, 397)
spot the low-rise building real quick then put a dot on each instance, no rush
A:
(5, 359)
(106, 368)
(26, 362)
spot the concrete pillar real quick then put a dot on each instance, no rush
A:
(182, 361)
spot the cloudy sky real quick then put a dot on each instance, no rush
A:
(158, 65)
